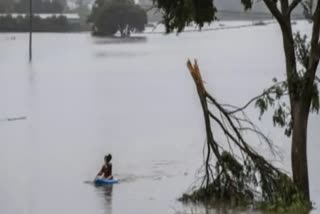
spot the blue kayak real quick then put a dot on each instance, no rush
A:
(102, 181)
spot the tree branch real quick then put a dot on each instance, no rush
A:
(284, 6)
(247, 104)
(272, 6)
(315, 29)
(314, 51)
(234, 177)
(267, 91)
(293, 5)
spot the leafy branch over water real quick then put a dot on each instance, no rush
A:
(239, 175)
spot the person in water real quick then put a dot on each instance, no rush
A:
(106, 170)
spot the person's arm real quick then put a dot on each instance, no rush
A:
(100, 172)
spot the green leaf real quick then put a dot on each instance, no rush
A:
(261, 105)
(279, 92)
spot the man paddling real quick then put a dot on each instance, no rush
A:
(106, 170)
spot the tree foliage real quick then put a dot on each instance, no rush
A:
(110, 16)
(180, 13)
(41, 6)
(276, 96)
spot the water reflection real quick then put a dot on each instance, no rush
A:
(114, 54)
(105, 193)
(119, 40)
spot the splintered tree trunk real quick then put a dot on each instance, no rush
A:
(299, 148)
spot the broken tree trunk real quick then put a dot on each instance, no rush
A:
(238, 177)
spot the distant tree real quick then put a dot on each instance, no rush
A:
(63, 3)
(80, 3)
(96, 9)
(41, 6)
(50, 24)
(21, 6)
(112, 16)
(6, 6)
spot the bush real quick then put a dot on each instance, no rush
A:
(110, 16)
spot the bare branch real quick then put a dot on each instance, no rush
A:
(315, 29)
(226, 132)
(293, 5)
(269, 90)
(314, 51)
(247, 104)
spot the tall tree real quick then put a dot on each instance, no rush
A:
(300, 83)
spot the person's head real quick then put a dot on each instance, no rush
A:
(107, 158)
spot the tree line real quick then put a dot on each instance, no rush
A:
(10, 23)
(50, 24)
(39, 6)
(107, 16)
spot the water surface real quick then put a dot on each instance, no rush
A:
(84, 97)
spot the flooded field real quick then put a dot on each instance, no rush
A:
(84, 97)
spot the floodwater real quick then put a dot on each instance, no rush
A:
(85, 97)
